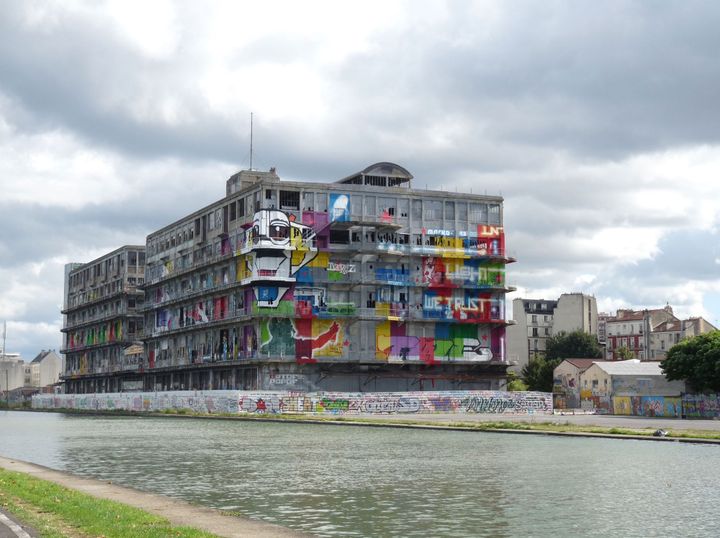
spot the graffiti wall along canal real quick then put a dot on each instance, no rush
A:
(495, 402)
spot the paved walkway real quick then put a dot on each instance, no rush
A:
(178, 512)
(12, 528)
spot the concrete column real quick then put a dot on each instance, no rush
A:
(210, 379)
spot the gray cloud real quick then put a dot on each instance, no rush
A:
(546, 103)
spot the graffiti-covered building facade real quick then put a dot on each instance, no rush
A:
(102, 318)
(364, 284)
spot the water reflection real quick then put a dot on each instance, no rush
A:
(350, 481)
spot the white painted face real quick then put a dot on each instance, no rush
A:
(271, 228)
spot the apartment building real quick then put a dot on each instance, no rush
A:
(364, 284)
(45, 369)
(102, 318)
(631, 329)
(536, 320)
(668, 333)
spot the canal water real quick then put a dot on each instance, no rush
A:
(354, 481)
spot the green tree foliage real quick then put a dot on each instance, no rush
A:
(574, 345)
(515, 384)
(538, 373)
(623, 353)
(695, 360)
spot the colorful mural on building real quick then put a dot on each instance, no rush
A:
(293, 273)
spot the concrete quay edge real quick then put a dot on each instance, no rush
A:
(385, 421)
(176, 511)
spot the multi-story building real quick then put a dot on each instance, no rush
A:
(536, 320)
(603, 318)
(631, 329)
(45, 369)
(102, 318)
(12, 371)
(364, 284)
(668, 333)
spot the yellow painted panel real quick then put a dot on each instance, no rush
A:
(383, 343)
(321, 260)
(621, 405)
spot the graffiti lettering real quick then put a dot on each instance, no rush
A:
(343, 268)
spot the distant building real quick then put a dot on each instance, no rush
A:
(12, 372)
(649, 334)
(566, 382)
(615, 387)
(45, 369)
(603, 318)
(536, 320)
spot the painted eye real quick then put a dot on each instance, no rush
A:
(279, 231)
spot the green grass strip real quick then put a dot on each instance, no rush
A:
(58, 511)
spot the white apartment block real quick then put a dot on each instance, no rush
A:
(536, 320)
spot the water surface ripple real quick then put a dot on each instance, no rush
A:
(351, 481)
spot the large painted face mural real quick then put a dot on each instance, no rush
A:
(281, 248)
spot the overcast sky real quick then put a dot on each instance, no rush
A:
(599, 122)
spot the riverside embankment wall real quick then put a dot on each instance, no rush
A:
(337, 403)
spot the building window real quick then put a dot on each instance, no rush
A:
(290, 200)
(417, 210)
(433, 210)
(449, 210)
(478, 213)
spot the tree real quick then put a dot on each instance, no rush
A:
(574, 345)
(624, 353)
(515, 384)
(538, 373)
(695, 360)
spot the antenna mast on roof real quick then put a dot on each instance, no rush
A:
(251, 140)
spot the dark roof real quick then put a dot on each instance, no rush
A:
(40, 356)
(667, 326)
(583, 364)
(381, 169)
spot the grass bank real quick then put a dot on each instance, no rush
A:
(56, 511)
(551, 425)
(548, 424)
